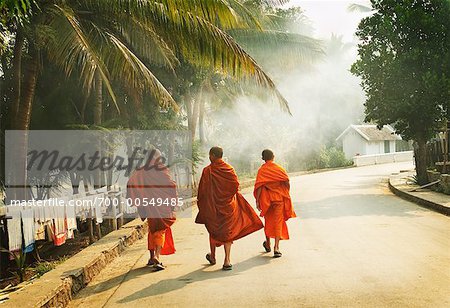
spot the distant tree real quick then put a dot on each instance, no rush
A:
(404, 63)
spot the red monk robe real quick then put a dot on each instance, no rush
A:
(152, 184)
(272, 195)
(222, 209)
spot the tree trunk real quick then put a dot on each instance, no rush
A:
(22, 122)
(98, 105)
(98, 111)
(420, 155)
(16, 77)
(201, 122)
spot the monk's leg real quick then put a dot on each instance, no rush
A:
(227, 248)
(157, 252)
(158, 239)
(267, 241)
(277, 244)
(151, 248)
(212, 246)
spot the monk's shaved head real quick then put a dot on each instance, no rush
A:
(217, 152)
(267, 155)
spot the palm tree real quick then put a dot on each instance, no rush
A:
(108, 41)
(273, 42)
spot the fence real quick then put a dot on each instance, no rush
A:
(365, 160)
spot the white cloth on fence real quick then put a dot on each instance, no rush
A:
(70, 218)
(97, 204)
(14, 228)
(28, 228)
(49, 212)
(60, 219)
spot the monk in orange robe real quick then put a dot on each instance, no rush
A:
(144, 188)
(222, 209)
(273, 200)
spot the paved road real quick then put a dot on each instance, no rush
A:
(355, 244)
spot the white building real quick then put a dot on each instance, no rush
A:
(369, 140)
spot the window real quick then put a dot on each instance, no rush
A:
(387, 146)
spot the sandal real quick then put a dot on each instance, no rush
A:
(277, 254)
(151, 262)
(210, 260)
(159, 267)
(228, 267)
(267, 248)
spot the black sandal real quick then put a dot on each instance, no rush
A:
(159, 267)
(277, 254)
(228, 267)
(210, 260)
(265, 247)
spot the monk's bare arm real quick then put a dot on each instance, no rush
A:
(258, 193)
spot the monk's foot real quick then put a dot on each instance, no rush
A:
(227, 267)
(266, 246)
(277, 254)
(151, 262)
(159, 267)
(210, 259)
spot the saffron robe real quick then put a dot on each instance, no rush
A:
(222, 209)
(272, 195)
(147, 185)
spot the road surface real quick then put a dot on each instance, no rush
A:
(354, 244)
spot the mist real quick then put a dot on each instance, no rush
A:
(324, 98)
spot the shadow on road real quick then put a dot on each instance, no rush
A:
(357, 205)
(169, 285)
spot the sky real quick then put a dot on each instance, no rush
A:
(330, 16)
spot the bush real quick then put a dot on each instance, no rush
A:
(333, 158)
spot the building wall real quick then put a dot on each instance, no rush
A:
(376, 159)
(353, 144)
(374, 147)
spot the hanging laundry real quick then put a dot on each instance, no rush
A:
(98, 208)
(14, 228)
(49, 212)
(39, 233)
(71, 220)
(60, 225)
(28, 229)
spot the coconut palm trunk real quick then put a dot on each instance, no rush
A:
(16, 76)
(22, 123)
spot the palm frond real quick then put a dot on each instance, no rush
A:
(355, 7)
(215, 11)
(139, 78)
(297, 47)
(2, 40)
(72, 48)
(204, 44)
(144, 39)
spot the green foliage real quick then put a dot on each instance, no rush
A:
(326, 157)
(413, 180)
(404, 63)
(16, 10)
(43, 267)
(20, 259)
(197, 155)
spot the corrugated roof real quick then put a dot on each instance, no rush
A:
(372, 133)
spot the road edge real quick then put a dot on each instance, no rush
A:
(437, 207)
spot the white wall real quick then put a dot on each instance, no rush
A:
(392, 145)
(374, 147)
(353, 144)
(365, 160)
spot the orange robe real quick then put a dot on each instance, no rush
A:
(272, 194)
(152, 184)
(222, 209)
